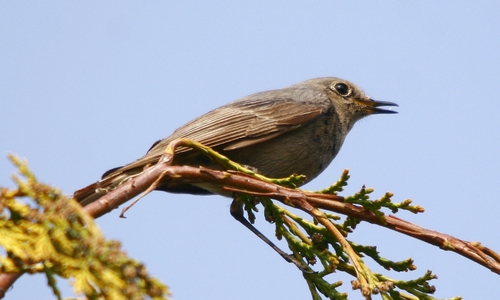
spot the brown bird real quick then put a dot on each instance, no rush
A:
(295, 130)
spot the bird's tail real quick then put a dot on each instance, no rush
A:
(96, 190)
(89, 193)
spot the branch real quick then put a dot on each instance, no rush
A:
(239, 182)
(243, 181)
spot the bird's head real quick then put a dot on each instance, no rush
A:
(350, 102)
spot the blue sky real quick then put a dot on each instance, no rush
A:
(87, 86)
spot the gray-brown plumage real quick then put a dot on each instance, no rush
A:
(295, 130)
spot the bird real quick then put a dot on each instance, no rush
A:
(295, 130)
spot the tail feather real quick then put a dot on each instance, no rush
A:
(89, 194)
(117, 176)
(111, 180)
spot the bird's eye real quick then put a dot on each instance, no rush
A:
(342, 89)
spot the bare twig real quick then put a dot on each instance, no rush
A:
(234, 181)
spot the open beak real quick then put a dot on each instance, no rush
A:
(372, 106)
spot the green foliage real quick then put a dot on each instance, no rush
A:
(310, 242)
(324, 240)
(42, 231)
(56, 237)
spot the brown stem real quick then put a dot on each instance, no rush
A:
(6, 281)
(236, 181)
(233, 181)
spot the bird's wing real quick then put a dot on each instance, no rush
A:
(251, 120)
(248, 122)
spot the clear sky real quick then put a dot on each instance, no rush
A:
(87, 86)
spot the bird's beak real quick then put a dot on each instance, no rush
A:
(372, 106)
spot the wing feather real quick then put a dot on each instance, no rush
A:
(248, 121)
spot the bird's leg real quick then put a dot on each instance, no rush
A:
(237, 212)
